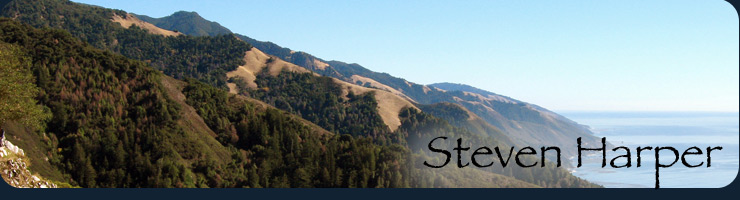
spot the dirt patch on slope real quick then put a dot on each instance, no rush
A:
(320, 65)
(255, 60)
(128, 20)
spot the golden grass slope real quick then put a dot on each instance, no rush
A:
(320, 65)
(255, 60)
(129, 20)
(361, 80)
(389, 104)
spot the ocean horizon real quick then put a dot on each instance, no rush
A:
(662, 128)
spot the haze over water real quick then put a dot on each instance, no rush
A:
(680, 130)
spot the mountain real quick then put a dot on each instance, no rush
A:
(461, 117)
(119, 123)
(525, 123)
(136, 105)
(189, 23)
(531, 124)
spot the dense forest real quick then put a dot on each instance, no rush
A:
(282, 152)
(320, 100)
(110, 120)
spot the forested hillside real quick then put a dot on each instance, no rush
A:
(112, 124)
(320, 100)
(204, 58)
(119, 120)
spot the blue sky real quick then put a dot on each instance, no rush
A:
(562, 55)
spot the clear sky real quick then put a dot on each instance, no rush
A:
(562, 55)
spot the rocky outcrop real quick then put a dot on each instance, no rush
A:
(7, 148)
(14, 168)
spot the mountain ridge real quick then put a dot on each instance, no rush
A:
(462, 87)
(180, 20)
(388, 105)
(529, 124)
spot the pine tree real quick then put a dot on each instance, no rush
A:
(17, 89)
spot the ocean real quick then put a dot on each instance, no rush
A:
(677, 129)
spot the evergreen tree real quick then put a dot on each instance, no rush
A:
(17, 89)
